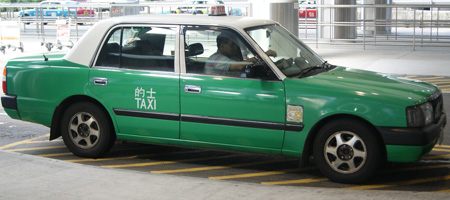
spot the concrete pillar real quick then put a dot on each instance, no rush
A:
(283, 11)
(378, 15)
(343, 16)
(347, 17)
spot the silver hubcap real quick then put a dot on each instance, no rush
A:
(345, 152)
(84, 130)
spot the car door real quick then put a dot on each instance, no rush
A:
(228, 109)
(135, 76)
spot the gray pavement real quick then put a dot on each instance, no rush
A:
(30, 177)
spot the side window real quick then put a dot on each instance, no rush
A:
(140, 48)
(110, 52)
(216, 51)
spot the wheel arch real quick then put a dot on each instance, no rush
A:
(55, 128)
(309, 142)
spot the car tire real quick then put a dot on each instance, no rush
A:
(86, 130)
(347, 151)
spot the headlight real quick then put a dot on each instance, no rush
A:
(420, 115)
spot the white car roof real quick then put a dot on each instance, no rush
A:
(232, 21)
(84, 50)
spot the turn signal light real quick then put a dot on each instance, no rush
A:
(4, 80)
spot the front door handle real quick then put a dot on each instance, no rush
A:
(192, 89)
(100, 81)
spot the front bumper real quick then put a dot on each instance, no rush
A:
(413, 136)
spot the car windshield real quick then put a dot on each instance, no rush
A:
(294, 58)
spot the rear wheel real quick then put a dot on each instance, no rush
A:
(86, 130)
(347, 151)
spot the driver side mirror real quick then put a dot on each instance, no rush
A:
(194, 49)
(259, 71)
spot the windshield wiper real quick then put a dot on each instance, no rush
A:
(305, 71)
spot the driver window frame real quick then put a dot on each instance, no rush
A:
(242, 40)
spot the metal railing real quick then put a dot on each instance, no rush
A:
(378, 25)
(400, 25)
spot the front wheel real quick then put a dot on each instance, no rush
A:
(86, 130)
(347, 151)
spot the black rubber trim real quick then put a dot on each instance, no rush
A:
(413, 136)
(232, 122)
(294, 127)
(9, 102)
(145, 114)
(209, 120)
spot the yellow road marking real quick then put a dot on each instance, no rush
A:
(445, 191)
(436, 157)
(442, 146)
(102, 159)
(133, 148)
(430, 78)
(299, 181)
(249, 175)
(417, 168)
(444, 150)
(168, 162)
(23, 142)
(36, 148)
(213, 167)
(54, 154)
(440, 84)
(438, 81)
(129, 157)
(46, 141)
(408, 182)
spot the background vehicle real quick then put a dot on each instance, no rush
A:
(198, 6)
(53, 9)
(309, 12)
(85, 12)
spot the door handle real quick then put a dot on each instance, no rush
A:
(192, 89)
(100, 81)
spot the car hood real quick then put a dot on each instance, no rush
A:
(363, 83)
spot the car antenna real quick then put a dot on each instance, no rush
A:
(45, 58)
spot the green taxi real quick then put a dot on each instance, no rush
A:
(222, 82)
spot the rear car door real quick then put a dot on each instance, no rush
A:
(135, 76)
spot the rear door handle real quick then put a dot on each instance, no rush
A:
(192, 89)
(100, 81)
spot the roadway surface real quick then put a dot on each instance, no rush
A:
(193, 173)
